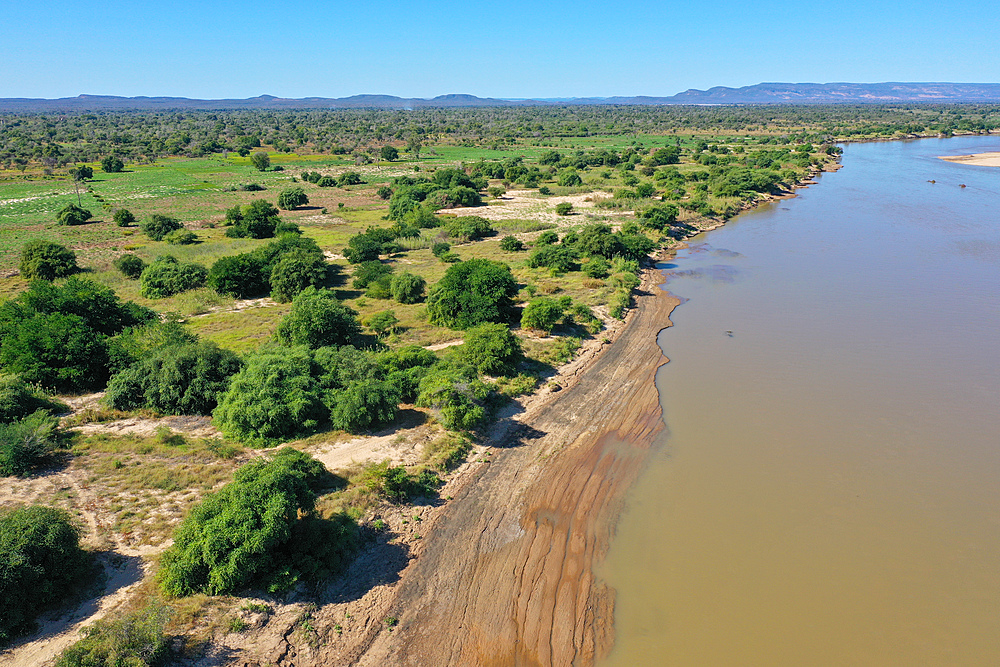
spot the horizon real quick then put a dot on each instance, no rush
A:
(526, 51)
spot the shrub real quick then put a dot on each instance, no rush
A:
(166, 277)
(396, 484)
(511, 244)
(99, 306)
(25, 442)
(384, 192)
(159, 226)
(181, 237)
(362, 248)
(558, 258)
(259, 529)
(547, 238)
(597, 267)
(439, 249)
(130, 266)
(292, 198)
(349, 178)
(56, 351)
(71, 214)
(658, 217)
(295, 271)
(135, 639)
(260, 161)
(383, 322)
(18, 399)
(368, 272)
(318, 319)
(256, 220)
(407, 287)
(241, 276)
(273, 397)
(455, 394)
(43, 561)
(123, 217)
(380, 289)
(112, 164)
(569, 178)
(181, 379)
(542, 314)
(468, 227)
(492, 349)
(471, 293)
(46, 260)
(363, 404)
(565, 208)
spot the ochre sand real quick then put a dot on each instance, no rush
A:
(977, 159)
(508, 578)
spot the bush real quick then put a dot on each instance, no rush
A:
(658, 217)
(492, 349)
(362, 248)
(292, 198)
(259, 529)
(159, 226)
(274, 397)
(46, 260)
(240, 276)
(130, 266)
(471, 293)
(256, 220)
(166, 277)
(71, 214)
(112, 164)
(135, 639)
(18, 399)
(511, 244)
(260, 161)
(186, 379)
(455, 394)
(363, 404)
(558, 258)
(565, 208)
(441, 248)
(181, 237)
(383, 322)
(123, 217)
(295, 271)
(370, 271)
(24, 443)
(349, 178)
(56, 351)
(407, 287)
(396, 484)
(42, 562)
(468, 227)
(318, 319)
(597, 267)
(547, 238)
(569, 178)
(542, 314)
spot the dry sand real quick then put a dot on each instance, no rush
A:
(977, 159)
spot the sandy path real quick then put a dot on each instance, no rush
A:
(507, 578)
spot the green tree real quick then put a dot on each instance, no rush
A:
(46, 260)
(112, 164)
(468, 227)
(361, 405)
(166, 277)
(295, 271)
(407, 287)
(492, 349)
(511, 244)
(130, 266)
(542, 314)
(42, 563)
(56, 351)
(158, 226)
(273, 398)
(259, 529)
(318, 319)
(496, 191)
(260, 161)
(241, 276)
(413, 144)
(81, 173)
(389, 153)
(383, 322)
(186, 379)
(564, 208)
(71, 214)
(256, 220)
(473, 292)
(292, 198)
(569, 178)
(123, 217)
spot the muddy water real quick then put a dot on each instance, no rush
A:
(828, 488)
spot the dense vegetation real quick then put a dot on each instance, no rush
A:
(42, 563)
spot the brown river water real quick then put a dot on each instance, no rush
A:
(827, 488)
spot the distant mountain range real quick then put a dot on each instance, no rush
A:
(761, 93)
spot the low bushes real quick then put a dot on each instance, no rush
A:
(46, 260)
(166, 276)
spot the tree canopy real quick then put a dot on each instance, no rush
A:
(473, 292)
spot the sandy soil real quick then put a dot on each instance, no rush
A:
(978, 159)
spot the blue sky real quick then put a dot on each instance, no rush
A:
(214, 49)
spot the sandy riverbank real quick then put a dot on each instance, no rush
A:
(977, 159)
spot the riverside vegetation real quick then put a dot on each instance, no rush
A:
(393, 268)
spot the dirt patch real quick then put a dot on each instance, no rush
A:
(529, 205)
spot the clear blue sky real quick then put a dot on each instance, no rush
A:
(215, 49)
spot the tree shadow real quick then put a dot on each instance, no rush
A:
(379, 562)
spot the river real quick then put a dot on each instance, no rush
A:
(827, 490)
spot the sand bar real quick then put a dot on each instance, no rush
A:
(977, 159)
